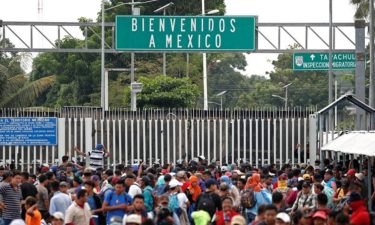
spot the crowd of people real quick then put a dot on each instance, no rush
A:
(198, 192)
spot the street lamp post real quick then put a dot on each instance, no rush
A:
(286, 95)
(205, 99)
(164, 8)
(221, 99)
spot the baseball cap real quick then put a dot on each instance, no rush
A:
(174, 183)
(202, 157)
(360, 176)
(99, 146)
(58, 216)
(63, 184)
(87, 171)
(284, 217)
(351, 172)
(320, 214)
(133, 218)
(224, 168)
(210, 182)
(306, 176)
(355, 196)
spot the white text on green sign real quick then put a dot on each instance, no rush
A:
(320, 61)
(184, 33)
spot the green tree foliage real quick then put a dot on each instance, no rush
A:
(167, 92)
(15, 88)
(308, 88)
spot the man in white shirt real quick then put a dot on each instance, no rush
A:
(79, 211)
(134, 187)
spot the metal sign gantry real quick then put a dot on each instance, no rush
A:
(271, 37)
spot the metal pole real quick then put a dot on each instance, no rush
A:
(335, 100)
(330, 74)
(371, 86)
(205, 103)
(132, 94)
(164, 56)
(102, 97)
(221, 103)
(286, 97)
(187, 64)
(106, 89)
(360, 71)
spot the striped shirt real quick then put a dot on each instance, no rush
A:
(12, 200)
(97, 158)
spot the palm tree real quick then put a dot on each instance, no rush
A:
(16, 89)
(363, 8)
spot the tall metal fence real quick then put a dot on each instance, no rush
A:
(259, 136)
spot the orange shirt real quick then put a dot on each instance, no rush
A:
(34, 220)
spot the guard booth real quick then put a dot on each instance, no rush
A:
(345, 145)
(335, 120)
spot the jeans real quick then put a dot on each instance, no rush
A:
(7, 221)
(1, 221)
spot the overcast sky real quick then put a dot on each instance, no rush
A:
(266, 10)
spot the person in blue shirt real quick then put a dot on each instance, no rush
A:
(117, 202)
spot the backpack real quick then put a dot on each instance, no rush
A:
(173, 204)
(248, 199)
(206, 203)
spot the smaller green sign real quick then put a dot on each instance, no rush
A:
(319, 61)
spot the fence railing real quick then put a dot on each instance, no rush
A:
(259, 136)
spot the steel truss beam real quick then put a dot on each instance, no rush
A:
(271, 37)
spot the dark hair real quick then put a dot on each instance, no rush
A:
(322, 199)
(26, 175)
(42, 178)
(319, 186)
(81, 193)
(139, 196)
(271, 207)
(167, 177)
(121, 182)
(109, 172)
(342, 219)
(297, 216)
(130, 176)
(30, 201)
(90, 183)
(118, 173)
(277, 197)
(16, 173)
(243, 181)
(55, 186)
(261, 209)
(49, 175)
(65, 158)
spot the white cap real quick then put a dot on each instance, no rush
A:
(202, 157)
(174, 183)
(58, 215)
(224, 169)
(284, 217)
(360, 176)
(133, 218)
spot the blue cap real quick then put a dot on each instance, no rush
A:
(210, 182)
(99, 146)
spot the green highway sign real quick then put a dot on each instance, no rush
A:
(185, 33)
(319, 61)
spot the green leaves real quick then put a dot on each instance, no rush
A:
(167, 92)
